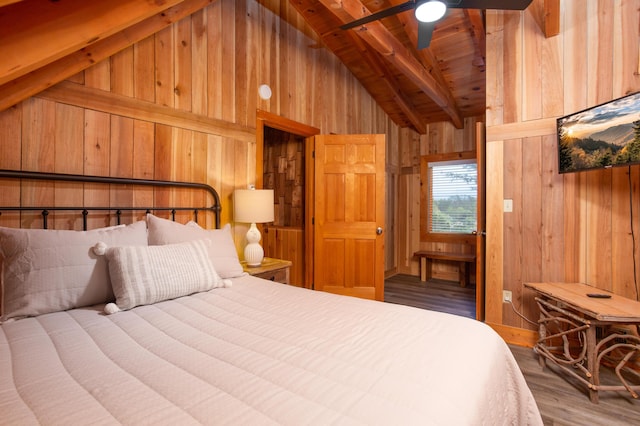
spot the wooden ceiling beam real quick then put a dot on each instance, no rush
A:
(379, 38)
(551, 18)
(36, 81)
(31, 40)
(429, 61)
(386, 81)
(546, 14)
(389, 80)
(474, 16)
(6, 2)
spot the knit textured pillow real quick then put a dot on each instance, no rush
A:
(223, 254)
(146, 275)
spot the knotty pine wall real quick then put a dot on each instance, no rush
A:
(181, 105)
(574, 227)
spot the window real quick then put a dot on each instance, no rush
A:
(452, 197)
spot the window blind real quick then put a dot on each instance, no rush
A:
(453, 191)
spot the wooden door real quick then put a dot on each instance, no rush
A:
(349, 215)
(480, 218)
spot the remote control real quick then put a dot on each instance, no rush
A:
(599, 295)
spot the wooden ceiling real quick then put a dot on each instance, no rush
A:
(445, 82)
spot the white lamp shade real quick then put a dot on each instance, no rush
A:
(253, 205)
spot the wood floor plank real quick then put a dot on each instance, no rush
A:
(436, 295)
(562, 402)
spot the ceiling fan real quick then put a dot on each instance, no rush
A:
(428, 12)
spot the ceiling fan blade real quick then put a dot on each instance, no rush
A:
(425, 31)
(489, 4)
(379, 15)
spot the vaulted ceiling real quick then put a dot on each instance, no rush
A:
(444, 82)
(43, 42)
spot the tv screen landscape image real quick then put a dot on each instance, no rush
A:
(603, 136)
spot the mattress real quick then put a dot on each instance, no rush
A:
(258, 352)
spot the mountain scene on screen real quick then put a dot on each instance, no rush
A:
(617, 135)
(604, 136)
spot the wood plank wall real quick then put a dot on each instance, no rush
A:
(284, 173)
(182, 104)
(574, 227)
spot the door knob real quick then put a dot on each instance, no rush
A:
(379, 230)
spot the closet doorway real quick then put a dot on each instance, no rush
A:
(284, 163)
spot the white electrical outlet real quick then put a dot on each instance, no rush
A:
(506, 296)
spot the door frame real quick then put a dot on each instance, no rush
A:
(267, 119)
(481, 221)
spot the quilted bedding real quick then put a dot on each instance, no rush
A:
(259, 353)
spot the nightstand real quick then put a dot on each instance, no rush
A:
(271, 269)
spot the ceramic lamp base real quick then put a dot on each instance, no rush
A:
(253, 252)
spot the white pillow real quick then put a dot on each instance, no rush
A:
(146, 275)
(223, 251)
(54, 270)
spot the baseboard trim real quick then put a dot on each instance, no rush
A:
(516, 336)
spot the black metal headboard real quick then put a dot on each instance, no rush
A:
(14, 174)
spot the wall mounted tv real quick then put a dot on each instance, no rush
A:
(600, 137)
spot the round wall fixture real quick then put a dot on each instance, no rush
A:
(264, 91)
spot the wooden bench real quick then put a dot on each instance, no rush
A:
(427, 256)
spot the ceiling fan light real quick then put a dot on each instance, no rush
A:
(430, 11)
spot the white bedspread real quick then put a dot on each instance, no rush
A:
(259, 353)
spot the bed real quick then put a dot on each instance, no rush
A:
(156, 322)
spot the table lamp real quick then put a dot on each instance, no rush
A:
(253, 206)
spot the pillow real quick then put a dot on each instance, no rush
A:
(54, 270)
(223, 251)
(145, 275)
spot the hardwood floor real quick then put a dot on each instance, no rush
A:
(436, 295)
(561, 402)
(565, 402)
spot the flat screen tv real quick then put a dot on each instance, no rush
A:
(603, 136)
